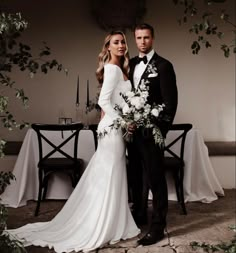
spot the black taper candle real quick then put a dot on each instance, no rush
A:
(77, 92)
(87, 93)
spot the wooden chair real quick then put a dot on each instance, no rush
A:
(57, 159)
(174, 161)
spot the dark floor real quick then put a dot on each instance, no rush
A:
(204, 223)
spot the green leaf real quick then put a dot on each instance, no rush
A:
(44, 68)
(207, 44)
(45, 52)
(220, 35)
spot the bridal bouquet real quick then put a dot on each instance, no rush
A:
(137, 111)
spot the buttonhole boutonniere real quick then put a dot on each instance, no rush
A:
(152, 70)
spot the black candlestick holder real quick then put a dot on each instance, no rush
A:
(86, 123)
(78, 116)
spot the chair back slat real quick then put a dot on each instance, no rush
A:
(174, 141)
(184, 128)
(173, 154)
(58, 148)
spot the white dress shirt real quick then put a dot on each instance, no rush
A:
(140, 68)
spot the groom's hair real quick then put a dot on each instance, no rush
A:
(145, 26)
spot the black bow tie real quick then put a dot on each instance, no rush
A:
(144, 59)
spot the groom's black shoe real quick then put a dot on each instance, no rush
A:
(151, 238)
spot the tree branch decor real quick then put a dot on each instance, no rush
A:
(17, 55)
(14, 53)
(207, 25)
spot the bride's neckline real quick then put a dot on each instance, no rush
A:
(124, 77)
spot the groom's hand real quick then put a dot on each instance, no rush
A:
(131, 128)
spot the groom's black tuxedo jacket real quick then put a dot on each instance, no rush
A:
(162, 88)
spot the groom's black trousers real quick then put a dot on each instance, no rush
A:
(145, 171)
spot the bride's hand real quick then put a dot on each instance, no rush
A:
(102, 114)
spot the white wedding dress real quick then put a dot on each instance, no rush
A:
(97, 211)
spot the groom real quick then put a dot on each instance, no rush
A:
(145, 169)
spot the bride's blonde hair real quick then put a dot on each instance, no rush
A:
(104, 57)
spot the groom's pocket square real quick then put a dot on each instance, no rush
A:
(153, 75)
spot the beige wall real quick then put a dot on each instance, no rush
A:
(206, 82)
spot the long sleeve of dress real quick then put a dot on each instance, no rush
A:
(111, 79)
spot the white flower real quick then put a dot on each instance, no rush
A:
(155, 112)
(152, 70)
(153, 75)
(129, 94)
(122, 123)
(145, 115)
(147, 109)
(137, 116)
(126, 109)
(142, 85)
(138, 102)
(144, 95)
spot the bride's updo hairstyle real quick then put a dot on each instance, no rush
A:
(104, 57)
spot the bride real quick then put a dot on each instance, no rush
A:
(97, 211)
